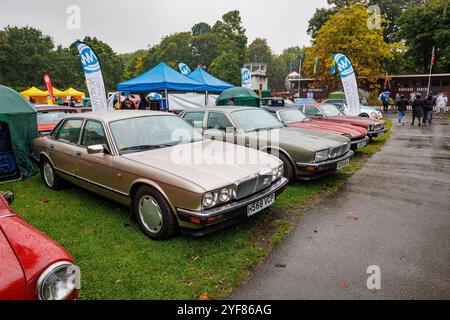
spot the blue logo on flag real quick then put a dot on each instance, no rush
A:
(89, 60)
(344, 65)
(184, 69)
(246, 76)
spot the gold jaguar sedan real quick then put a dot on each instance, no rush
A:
(162, 168)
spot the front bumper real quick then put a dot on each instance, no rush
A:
(312, 171)
(355, 143)
(217, 218)
(376, 133)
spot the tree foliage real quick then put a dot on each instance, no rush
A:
(347, 32)
(421, 28)
(259, 51)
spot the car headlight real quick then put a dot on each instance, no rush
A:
(57, 282)
(225, 194)
(277, 172)
(222, 195)
(209, 199)
(321, 155)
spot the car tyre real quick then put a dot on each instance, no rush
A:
(288, 168)
(153, 214)
(49, 176)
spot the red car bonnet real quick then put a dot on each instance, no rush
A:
(33, 250)
(326, 126)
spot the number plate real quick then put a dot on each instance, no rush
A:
(342, 163)
(260, 205)
(362, 144)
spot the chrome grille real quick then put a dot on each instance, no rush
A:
(252, 184)
(246, 187)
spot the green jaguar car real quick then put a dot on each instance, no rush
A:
(306, 154)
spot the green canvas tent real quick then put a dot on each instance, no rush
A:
(241, 97)
(18, 117)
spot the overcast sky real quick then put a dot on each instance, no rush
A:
(134, 24)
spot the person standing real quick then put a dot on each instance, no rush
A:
(428, 105)
(441, 104)
(417, 109)
(401, 105)
(384, 98)
(127, 104)
(143, 103)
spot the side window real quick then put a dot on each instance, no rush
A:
(218, 121)
(93, 133)
(194, 118)
(70, 131)
(56, 130)
(311, 111)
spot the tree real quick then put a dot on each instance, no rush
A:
(205, 48)
(389, 9)
(346, 32)
(200, 29)
(226, 67)
(423, 27)
(318, 19)
(172, 50)
(259, 51)
(292, 56)
(277, 72)
(231, 29)
(27, 56)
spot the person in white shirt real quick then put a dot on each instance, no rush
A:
(441, 103)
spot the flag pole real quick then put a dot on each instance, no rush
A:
(431, 69)
(300, 77)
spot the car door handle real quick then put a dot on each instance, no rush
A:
(52, 146)
(78, 153)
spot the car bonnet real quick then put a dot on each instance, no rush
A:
(208, 164)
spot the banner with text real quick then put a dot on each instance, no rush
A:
(349, 83)
(94, 77)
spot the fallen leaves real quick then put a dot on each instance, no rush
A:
(351, 216)
(204, 296)
(45, 200)
(344, 285)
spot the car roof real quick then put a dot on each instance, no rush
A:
(222, 108)
(113, 115)
(48, 107)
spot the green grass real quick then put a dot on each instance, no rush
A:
(117, 261)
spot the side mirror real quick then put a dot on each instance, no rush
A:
(96, 148)
(9, 197)
(230, 130)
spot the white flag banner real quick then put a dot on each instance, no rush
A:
(246, 77)
(349, 83)
(94, 77)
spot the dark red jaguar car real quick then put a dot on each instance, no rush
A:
(32, 266)
(296, 119)
(330, 113)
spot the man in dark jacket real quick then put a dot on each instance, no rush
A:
(401, 105)
(428, 105)
(417, 109)
(143, 103)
